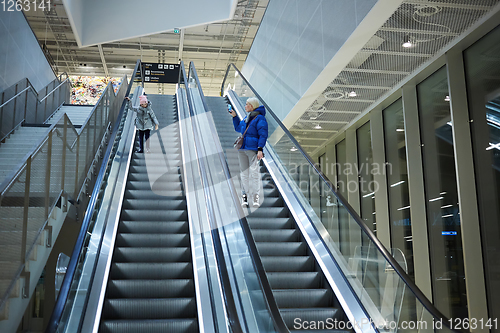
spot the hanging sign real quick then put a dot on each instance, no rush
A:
(160, 73)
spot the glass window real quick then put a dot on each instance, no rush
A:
(367, 186)
(482, 68)
(397, 181)
(443, 219)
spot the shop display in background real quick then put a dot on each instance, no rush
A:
(88, 89)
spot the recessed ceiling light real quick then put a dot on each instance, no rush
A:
(353, 94)
(447, 98)
(293, 149)
(318, 126)
(408, 43)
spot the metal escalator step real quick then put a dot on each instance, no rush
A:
(149, 326)
(285, 249)
(143, 170)
(148, 194)
(145, 176)
(264, 223)
(152, 240)
(163, 203)
(269, 235)
(173, 186)
(316, 315)
(314, 298)
(156, 308)
(160, 227)
(150, 288)
(272, 202)
(152, 271)
(173, 159)
(270, 212)
(152, 254)
(294, 280)
(288, 264)
(139, 215)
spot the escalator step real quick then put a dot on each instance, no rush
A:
(150, 288)
(294, 280)
(143, 170)
(309, 315)
(173, 227)
(270, 212)
(152, 254)
(288, 264)
(283, 235)
(152, 308)
(277, 223)
(152, 240)
(311, 298)
(153, 271)
(149, 326)
(148, 194)
(144, 176)
(158, 204)
(173, 186)
(285, 249)
(139, 215)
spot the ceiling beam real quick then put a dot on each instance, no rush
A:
(181, 45)
(103, 60)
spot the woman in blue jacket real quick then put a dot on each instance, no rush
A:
(250, 152)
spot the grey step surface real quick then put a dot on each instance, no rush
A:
(151, 283)
(77, 114)
(299, 286)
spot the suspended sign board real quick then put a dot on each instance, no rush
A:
(160, 73)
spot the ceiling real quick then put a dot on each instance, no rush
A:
(211, 47)
(384, 62)
(380, 66)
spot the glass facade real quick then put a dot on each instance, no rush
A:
(443, 219)
(367, 186)
(342, 171)
(397, 182)
(482, 68)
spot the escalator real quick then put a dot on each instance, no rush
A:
(302, 294)
(150, 286)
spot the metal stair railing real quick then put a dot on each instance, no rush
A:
(21, 103)
(59, 168)
(61, 315)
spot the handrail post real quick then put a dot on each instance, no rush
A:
(26, 100)
(15, 106)
(47, 175)
(45, 104)
(26, 210)
(65, 139)
(77, 161)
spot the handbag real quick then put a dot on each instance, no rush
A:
(239, 140)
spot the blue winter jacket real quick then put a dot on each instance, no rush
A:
(256, 134)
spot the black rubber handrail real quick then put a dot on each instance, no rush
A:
(397, 268)
(278, 322)
(70, 272)
(232, 312)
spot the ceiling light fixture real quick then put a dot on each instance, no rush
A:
(353, 94)
(447, 98)
(318, 126)
(293, 149)
(407, 44)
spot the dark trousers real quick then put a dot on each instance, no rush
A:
(143, 135)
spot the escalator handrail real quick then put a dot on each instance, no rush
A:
(232, 312)
(252, 247)
(70, 272)
(397, 268)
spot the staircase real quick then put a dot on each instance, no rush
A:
(150, 287)
(78, 114)
(298, 285)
